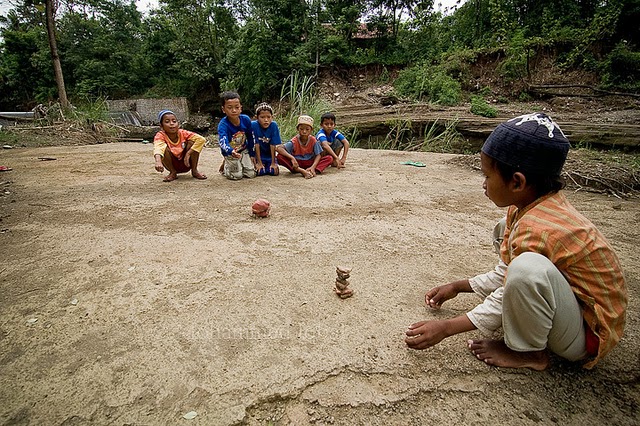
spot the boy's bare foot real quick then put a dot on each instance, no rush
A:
(170, 177)
(496, 352)
(198, 175)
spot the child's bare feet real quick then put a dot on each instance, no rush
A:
(196, 174)
(170, 177)
(496, 352)
(306, 173)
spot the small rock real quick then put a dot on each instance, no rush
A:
(190, 415)
(32, 321)
(74, 302)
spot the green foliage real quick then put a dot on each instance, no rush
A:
(458, 63)
(621, 69)
(102, 57)
(298, 91)
(194, 49)
(7, 137)
(443, 139)
(26, 75)
(514, 66)
(601, 27)
(479, 106)
(402, 136)
(426, 82)
(90, 110)
(299, 97)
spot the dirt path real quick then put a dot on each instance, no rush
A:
(153, 299)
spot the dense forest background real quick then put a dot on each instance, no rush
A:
(197, 48)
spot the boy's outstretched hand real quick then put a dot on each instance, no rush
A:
(438, 295)
(187, 158)
(159, 166)
(425, 334)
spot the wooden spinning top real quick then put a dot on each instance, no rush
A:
(342, 283)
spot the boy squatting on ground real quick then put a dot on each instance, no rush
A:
(176, 149)
(267, 137)
(235, 136)
(558, 286)
(332, 141)
(303, 153)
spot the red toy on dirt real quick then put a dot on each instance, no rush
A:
(261, 207)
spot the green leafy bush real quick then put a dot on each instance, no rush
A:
(430, 83)
(621, 69)
(479, 106)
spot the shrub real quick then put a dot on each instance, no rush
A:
(429, 83)
(622, 68)
(479, 106)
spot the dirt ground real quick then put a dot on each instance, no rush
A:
(125, 300)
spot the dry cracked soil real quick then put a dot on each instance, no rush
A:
(125, 300)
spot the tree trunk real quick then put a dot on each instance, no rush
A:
(53, 47)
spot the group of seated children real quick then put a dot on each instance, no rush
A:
(558, 287)
(250, 148)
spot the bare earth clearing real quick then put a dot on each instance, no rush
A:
(184, 302)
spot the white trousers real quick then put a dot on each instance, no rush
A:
(539, 309)
(236, 168)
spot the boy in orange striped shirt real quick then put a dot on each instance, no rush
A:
(176, 149)
(558, 286)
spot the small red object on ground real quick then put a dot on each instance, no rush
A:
(261, 207)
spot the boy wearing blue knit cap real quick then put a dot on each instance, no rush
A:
(558, 287)
(176, 149)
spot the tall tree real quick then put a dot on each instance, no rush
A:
(53, 47)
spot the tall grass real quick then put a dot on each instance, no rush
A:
(298, 96)
(85, 112)
(443, 138)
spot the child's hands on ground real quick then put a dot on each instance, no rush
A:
(259, 167)
(187, 158)
(425, 334)
(438, 295)
(312, 171)
(159, 166)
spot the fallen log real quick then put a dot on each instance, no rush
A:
(544, 89)
(377, 121)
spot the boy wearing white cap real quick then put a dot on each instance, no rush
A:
(303, 153)
(176, 149)
(558, 286)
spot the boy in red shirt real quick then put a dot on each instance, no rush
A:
(303, 153)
